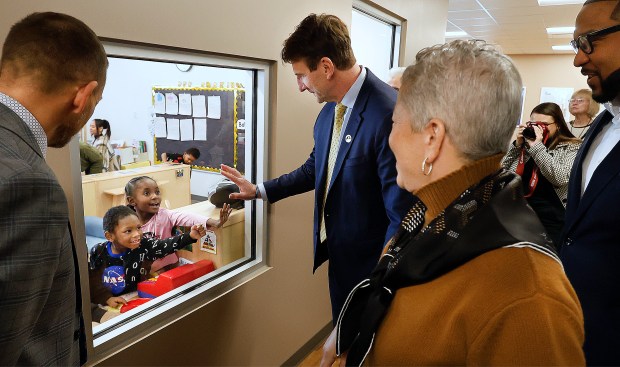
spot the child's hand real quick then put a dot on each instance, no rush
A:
(224, 214)
(115, 301)
(198, 231)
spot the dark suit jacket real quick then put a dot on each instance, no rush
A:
(364, 205)
(39, 321)
(591, 249)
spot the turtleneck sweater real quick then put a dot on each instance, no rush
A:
(510, 306)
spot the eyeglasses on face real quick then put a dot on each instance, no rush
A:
(576, 100)
(584, 42)
(540, 123)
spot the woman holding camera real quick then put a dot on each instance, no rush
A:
(543, 154)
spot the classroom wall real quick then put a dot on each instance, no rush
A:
(538, 71)
(266, 320)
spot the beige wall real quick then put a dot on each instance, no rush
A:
(266, 320)
(539, 71)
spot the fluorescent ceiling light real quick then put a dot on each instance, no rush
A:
(456, 34)
(562, 48)
(560, 30)
(559, 2)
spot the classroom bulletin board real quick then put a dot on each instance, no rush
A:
(209, 119)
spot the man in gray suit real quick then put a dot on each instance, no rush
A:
(52, 74)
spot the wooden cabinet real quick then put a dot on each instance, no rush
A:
(230, 239)
(105, 190)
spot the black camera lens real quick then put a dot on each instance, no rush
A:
(529, 133)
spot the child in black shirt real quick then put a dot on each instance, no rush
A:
(188, 157)
(116, 266)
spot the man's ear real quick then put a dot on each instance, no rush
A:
(80, 101)
(327, 66)
(434, 136)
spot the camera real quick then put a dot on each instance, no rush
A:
(530, 134)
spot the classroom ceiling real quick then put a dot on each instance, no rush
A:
(518, 26)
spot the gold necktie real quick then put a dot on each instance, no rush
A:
(331, 161)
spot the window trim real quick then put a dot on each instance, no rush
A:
(199, 293)
(389, 18)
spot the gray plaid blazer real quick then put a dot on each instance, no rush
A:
(39, 317)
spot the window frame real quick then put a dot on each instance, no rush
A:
(172, 306)
(389, 18)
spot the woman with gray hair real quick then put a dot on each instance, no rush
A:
(469, 278)
(584, 108)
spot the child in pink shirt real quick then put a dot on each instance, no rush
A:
(144, 197)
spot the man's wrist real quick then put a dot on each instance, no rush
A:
(257, 193)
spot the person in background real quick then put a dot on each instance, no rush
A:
(101, 132)
(394, 77)
(468, 279)
(117, 266)
(590, 245)
(188, 157)
(143, 196)
(357, 204)
(52, 74)
(543, 158)
(584, 108)
(91, 161)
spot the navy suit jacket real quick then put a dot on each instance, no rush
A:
(591, 249)
(364, 206)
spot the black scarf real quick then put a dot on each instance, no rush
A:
(489, 215)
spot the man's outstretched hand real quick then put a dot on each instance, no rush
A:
(247, 190)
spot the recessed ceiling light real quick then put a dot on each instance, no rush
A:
(456, 34)
(560, 30)
(559, 2)
(562, 48)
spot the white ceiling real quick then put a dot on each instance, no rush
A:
(518, 26)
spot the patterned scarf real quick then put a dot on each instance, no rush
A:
(487, 216)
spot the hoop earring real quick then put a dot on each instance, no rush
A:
(430, 167)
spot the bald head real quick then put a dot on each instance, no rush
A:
(615, 13)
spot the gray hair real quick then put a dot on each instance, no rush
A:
(472, 87)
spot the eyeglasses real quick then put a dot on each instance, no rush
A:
(576, 100)
(584, 42)
(540, 123)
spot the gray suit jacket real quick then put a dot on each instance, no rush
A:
(39, 306)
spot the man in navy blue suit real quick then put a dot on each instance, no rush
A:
(591, 245)
(360, 206)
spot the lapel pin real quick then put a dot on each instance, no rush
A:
(348, 138)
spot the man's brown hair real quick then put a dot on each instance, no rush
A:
(319, 36)
(55, 48)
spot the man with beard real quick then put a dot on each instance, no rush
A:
(591, 248)
(52, 74)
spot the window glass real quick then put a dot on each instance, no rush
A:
(159, 101)
(375, 42)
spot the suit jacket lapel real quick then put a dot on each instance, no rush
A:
(606, 171)
(353, 125)
(321, 147)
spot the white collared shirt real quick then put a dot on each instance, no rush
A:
(33, 124)
(603, 143)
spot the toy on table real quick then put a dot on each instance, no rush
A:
(174, 278)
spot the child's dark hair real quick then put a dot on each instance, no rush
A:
(105, 125)
(131, 185)
(193, 151)
(114, 215)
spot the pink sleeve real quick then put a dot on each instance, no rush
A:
(184, 219)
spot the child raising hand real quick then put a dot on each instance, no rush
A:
(116, 266)
(144, 197)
